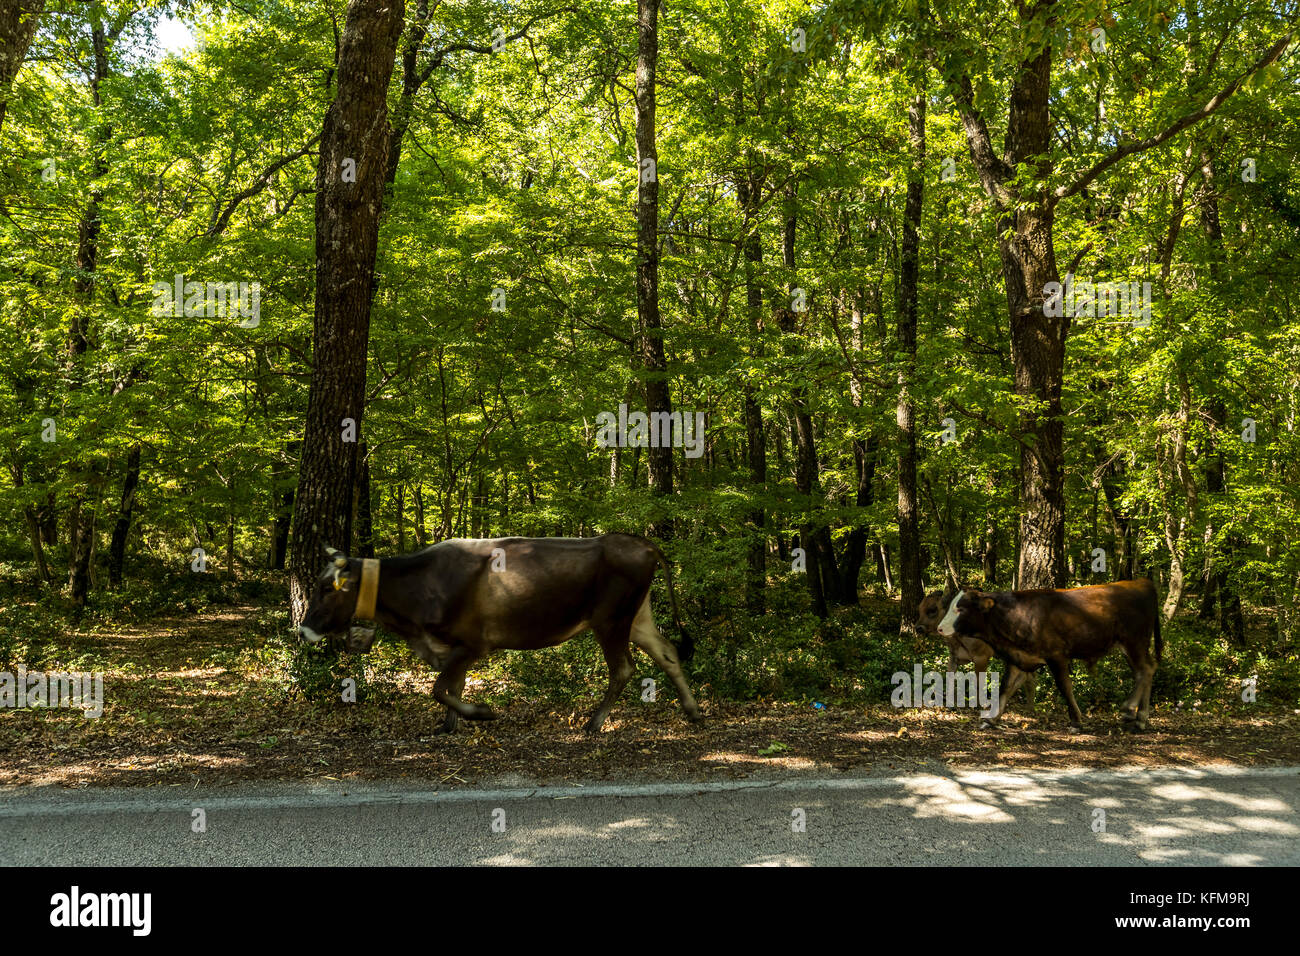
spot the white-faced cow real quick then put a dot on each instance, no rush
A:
(962, 648)
(1028, 629)
(461, 599)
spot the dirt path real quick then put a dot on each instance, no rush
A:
(190, 701)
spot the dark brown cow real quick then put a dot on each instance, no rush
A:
(1028, 629)
(962, 649)
(461, 599)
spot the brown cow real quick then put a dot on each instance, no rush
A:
(460, 600)
(1028, 629)
(962, 649)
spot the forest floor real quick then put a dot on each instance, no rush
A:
(188, 701)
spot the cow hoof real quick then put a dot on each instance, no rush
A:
(987, 724)
(1076, 728)
(444, 729)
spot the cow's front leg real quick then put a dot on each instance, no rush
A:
(448, 687)
(1138, 706)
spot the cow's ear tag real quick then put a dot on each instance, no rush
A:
(339, 582)
(986, 603)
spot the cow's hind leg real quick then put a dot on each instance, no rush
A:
(451, 684)
(647, 637)
(1014, 678)
(1061, 673)
(452, 719)
(1137, 707)
(618, 655)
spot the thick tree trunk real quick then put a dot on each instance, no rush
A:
(82, 528)
(1038, 356)
(748, 193)
(1028, 264)
(349, 201)
(659, 460)
(1028, 206)
(909, 533)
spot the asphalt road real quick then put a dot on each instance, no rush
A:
(1157, 817)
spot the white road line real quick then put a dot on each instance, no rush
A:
(26, 802)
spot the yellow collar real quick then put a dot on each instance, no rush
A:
(369, 590)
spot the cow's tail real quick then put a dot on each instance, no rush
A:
(685, 646)
(1160, 643)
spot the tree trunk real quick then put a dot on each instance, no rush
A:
(421, 530)
(230, 547)
(82, 528)
(18, 21)
(365, 505)
(659, 460)
(31, 514)
(989, 553)
(748, 195)
(882, 565)
(282, 489)
(1182, 477)
(909, 533)
(1028, 205)
(117, 547)
(354, 145)
(401, 518)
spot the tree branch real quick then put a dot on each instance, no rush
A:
(260, 183)
(1271, 56)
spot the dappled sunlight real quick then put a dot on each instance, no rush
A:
(942, 797)
(1183, 793)
(1150, 820)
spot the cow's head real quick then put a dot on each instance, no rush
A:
(333, 600)
(932, 609)
(966, 613)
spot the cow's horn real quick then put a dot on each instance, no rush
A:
(330, 551)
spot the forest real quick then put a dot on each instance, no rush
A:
(841, 303)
